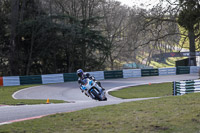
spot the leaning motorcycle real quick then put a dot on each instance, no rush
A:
(93, 90)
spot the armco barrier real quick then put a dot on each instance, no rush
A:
(187, 86)
(167, 71)
(1, 81)
(149, 72)
(194, 69)
(183, 70)
(11, 81)
(113, 74)
(99, 75)
(52, 78)
(70, 77)
(35, 79)
(131, 73)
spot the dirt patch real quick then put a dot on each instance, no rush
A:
(195, 120)
(156, 127)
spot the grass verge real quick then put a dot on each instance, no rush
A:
(169, 114)
(6, 96)
(143, 91)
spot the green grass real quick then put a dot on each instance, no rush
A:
(178, 114)
(143, 91)
(6, 96)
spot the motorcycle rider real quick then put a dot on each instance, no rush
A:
(81, 76)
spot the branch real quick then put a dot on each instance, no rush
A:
(157, 39)
(198, 35)
(174, 3)
(162, 19)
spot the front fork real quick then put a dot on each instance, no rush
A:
(98, 85)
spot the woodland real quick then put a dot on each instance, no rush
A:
(61, 36)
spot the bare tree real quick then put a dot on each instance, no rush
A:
(152, 32)
(115, 18)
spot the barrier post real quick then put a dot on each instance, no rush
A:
(174, 88)
(199, 73)
(1, 81)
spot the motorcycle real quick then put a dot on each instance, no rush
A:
(93, 90)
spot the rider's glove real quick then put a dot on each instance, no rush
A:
(93, 78)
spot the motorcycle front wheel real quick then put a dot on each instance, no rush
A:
(97, 97)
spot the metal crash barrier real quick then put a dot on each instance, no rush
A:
(186, 86)
(99, 75)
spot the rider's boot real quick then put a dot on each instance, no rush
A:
(100, 85)
(87, 94)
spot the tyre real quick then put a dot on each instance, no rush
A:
(105, 99)
(97, 97)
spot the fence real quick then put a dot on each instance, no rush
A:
(194, 69)
(70, 77)
(52, 78)
(11, 81)
(149, 72)
(99, 75)
(113, 74)
(183, 70)
(186, 86)
(131, 73)
(167, 71)
(26, 80)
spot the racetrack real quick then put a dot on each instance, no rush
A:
(70, 91)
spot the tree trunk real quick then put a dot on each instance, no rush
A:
(192, 59)
(22, 10)
(149, 58)
(111, 62)
(13, 60)
(30, 53)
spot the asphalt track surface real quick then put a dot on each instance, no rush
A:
(70, 92)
